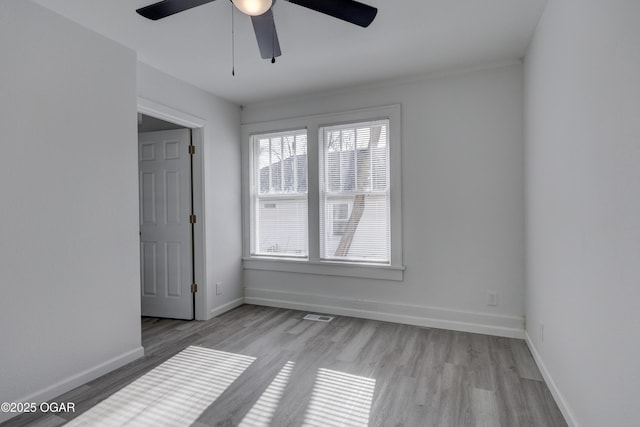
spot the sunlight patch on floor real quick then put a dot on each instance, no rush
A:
(339, 399)
(261, 413)
(173, 394)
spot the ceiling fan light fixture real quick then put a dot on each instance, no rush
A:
(252, 7)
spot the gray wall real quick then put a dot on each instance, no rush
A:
(151, 124)
(220, 163)
(463, 205)
(583, 207)
(69, 250)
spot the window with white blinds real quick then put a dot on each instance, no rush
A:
(324, 198)
(354, 193)
(279, 194)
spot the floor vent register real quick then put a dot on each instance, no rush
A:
(318, 317)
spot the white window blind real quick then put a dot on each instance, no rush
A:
(279, 194)
(354, 193)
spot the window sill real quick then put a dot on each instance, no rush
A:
(325, 268)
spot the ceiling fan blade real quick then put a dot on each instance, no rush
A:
(348, 10)
(169, 7)
(265, 29)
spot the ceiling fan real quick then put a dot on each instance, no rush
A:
(262, 16)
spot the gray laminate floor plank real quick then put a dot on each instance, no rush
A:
(484, 407)
(524, 363)
(480, 362)
(538, 396)
(346, 372)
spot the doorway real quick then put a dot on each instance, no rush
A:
(171, 267)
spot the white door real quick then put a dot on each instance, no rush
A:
(165, 229)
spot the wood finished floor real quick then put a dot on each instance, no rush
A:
(423, 377)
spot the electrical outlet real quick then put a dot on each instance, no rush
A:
(541, 331)
(492, 298)
(218, 288)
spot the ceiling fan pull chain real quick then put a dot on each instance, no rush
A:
(233, 42)
(273, 40)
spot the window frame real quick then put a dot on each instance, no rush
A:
(313, 264)
(279, 196)
(327, 195)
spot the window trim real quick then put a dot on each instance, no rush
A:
(313, 264)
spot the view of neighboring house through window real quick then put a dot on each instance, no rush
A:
(279, 205)
(354, 192)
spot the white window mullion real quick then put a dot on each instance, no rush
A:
(315, 164)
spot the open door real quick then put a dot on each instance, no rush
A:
(165, 224)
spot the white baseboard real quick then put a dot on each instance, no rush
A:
(78, 379)
(433, 317)
(225, 307)
(555, 391)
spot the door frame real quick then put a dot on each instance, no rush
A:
(197, 126)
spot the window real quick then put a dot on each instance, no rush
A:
(340, 218)
(354, 192)
(279, 205)
(324, 198)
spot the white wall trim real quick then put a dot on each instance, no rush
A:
(325, 268)
(78, 379)
(433, 317)
(569, 416)
(200, 273)
(226, 307)
(164, 112)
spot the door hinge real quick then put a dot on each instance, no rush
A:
(192, 149)
(192, 219)
(194, 288)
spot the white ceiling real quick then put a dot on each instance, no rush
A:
(408, 37)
